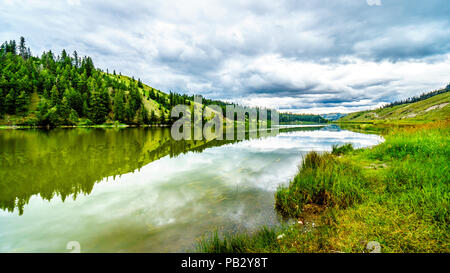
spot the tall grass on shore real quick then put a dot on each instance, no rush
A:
(323, 180)
(396, 193)
(265, 238)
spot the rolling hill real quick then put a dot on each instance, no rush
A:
(430, 109)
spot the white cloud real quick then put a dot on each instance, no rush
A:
(74, 2)
(298, 55)
(374, 2)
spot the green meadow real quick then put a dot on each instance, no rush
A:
(396, 194)
(423, 111)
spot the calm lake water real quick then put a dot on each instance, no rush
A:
(137, 190)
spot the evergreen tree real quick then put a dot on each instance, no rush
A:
(88, 66)
(42, 111)
(106, 100)
(75, 59)
(75, 100)
(22, 48)
(152, 117)
(54, 96)
(2, 103)
(143, 117)
(10, 102)
(70, 87)
(98, 107)
(22, 102)
(65, 110)
(129, 115)
(119, 108)
(12, 47)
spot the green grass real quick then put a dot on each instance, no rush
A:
(325, 181)
(149, 104)
(343, 149)
(396, 193)
(431, 109)
(264, 239)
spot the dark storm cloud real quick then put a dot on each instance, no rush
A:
(338, 52)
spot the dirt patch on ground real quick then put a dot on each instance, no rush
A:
(311, 215)
(439, 106)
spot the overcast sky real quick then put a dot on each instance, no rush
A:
(306, 56)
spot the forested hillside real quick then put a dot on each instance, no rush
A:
(301, 118)
(66, 89)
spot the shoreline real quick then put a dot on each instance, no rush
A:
(343, 200)
(23, 127)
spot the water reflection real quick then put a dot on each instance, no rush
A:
(67, 162)
(137, 190)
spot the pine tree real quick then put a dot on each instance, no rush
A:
(22, 48)
(64, 110)
(89, 66)
(152, 116)
(129, 115)
(99, 107)
(12, 47)
(106, 100)
(42, 112)
(2, 103)
(75, 100)
(69, 88)
(119, 108)
(75, 59)
(22, 102)
(10, 102)
(54, 96)
(143, 118)
(97, 110)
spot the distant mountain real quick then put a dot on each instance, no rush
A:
(434, 108)
(333, 116)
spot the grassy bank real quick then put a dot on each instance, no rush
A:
(431, 109)
(396, 193)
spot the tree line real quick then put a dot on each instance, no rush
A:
(289, 117)
(67, 90)
(424, 96)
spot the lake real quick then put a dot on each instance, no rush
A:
(137, 190)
